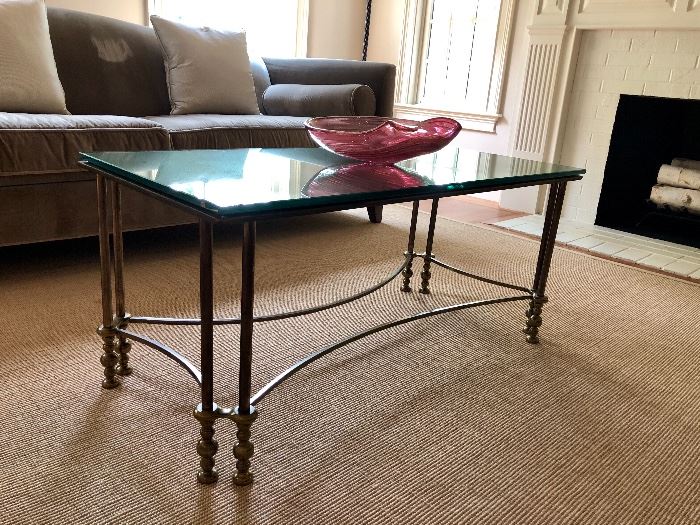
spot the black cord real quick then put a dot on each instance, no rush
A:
(368, 16)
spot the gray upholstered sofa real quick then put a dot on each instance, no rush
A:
(113, 76)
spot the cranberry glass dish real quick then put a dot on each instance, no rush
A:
(381, 140)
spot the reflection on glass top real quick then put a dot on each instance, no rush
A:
(241, 182)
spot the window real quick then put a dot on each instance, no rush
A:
(274, 28)
(452, 59)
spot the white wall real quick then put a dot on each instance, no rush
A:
(129, 10)
(336, 28)
(385, 31)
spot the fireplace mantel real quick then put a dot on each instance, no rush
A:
(555, 35)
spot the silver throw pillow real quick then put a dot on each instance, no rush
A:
(208, 71)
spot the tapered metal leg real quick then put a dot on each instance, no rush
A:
(544, 259)
(425, 274)
(410, 254)
(205, 413)
(123, 344)
(109, 357)
(244, 414)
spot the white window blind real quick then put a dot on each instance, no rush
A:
(460, 41)
(452, 57)
(274, 28)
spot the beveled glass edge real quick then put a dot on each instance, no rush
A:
(346, 201)
(168, 193)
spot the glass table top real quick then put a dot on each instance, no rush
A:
(244, 183)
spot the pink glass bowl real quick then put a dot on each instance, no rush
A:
(360, 178)
(381, 140)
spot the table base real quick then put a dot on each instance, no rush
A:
(117, 337)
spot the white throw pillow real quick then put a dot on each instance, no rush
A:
(29, 80)
(208, 71)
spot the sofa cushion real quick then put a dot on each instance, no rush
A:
(31, 143)
(208, 71)
(235, 131)
(108, 66)
(261, 79)
(379, 77)
(319, 101)
(28, 76)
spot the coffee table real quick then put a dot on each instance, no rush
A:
(250, 185)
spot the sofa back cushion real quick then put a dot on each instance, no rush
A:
(106, 66)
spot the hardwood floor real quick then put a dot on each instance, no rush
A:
(468, 209)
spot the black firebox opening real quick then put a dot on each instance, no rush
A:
(648, 132)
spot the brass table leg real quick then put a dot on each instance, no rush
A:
(109, 357)
(544, 259)
(123, 344)
(425, 274)
(205, 412)
(410, 254)
(244, 414)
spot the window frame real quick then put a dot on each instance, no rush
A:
(302, 38)
(413, 51)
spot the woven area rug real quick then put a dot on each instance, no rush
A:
(452, 419)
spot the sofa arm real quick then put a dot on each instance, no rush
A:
(303, 100)
(378, 76)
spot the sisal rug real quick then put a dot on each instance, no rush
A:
(452, 419)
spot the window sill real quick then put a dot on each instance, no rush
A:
(485, 122)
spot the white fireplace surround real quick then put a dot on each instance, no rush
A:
(583, 54)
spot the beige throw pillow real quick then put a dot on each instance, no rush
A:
(208, 71)
(28, 77)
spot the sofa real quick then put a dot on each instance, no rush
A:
(113, 76)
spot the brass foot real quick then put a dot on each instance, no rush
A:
(244, 447)
(109, 360)
(425, 281)
(534, 320)
(207, 446)
(123, 349)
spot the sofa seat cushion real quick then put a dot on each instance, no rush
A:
(235, 131)
(36, 144)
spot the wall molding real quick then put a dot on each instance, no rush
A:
(537, 96)
(616, 6)
(485, 122)
(636, 13)
(549, 7)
